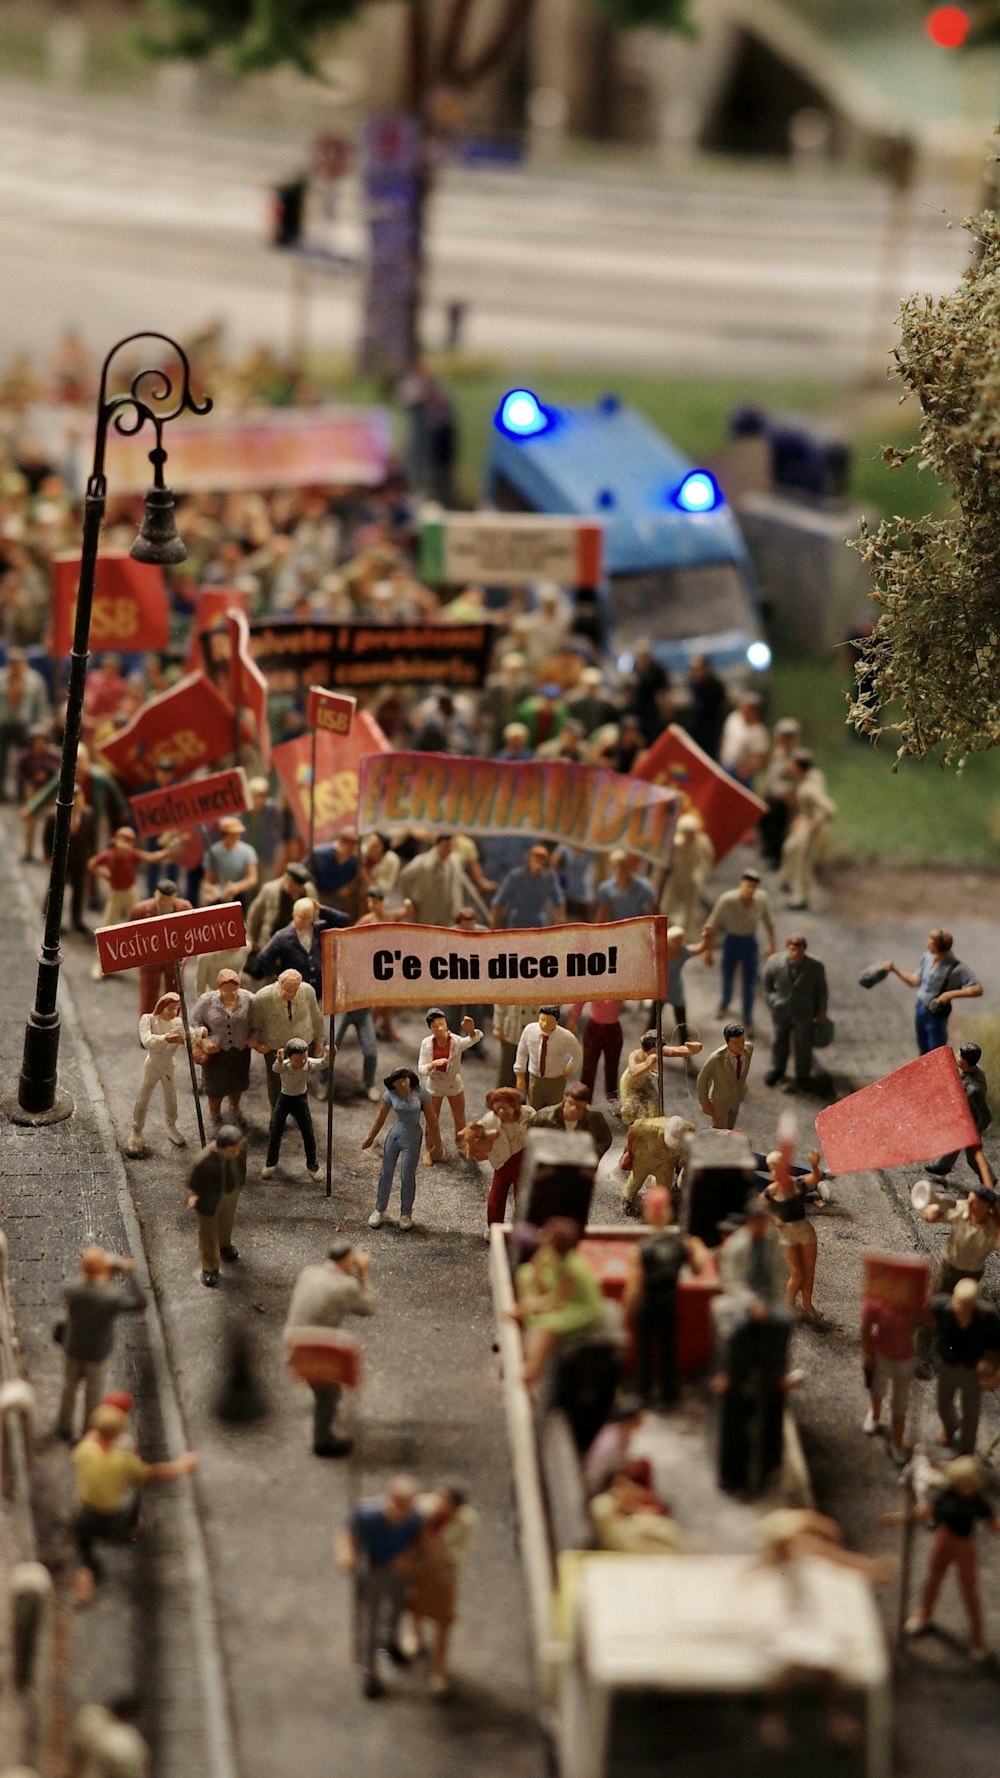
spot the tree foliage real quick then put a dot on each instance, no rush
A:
(256, 35)
(935, 648)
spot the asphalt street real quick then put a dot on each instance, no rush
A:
(162, 221)
(430, 1402)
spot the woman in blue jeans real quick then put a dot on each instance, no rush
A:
(406, 1097)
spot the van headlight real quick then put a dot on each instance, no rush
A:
(759, 657)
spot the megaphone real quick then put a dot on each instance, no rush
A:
(925, 1192)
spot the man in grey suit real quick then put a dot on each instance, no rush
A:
(795, 991)
(722, 1082)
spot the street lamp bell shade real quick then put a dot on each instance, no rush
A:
(159, 542)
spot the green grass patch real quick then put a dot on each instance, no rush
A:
(922, 814)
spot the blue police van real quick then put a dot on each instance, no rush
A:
(676, 566)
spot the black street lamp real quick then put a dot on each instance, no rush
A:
(40, 1100)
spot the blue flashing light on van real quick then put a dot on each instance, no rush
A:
(677, 569)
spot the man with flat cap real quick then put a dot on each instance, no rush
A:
(271, 908)
(323, 1296)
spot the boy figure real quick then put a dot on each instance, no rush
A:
(293, 1065)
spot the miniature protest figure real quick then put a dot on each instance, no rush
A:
(650, 1298)
(892, 1310)
(408, 1099)
(92, 1306)
(953, 1513)
(106, 1475)
(722, 1082)
(439, 1068)
(812, 811)
(299, 945)
(679, 952)
(974, 1085)
(220, 1027)
(602, 1036)
(105, 1742)
(504, 1132)
(449, 1528)
(217, 1178)
(973, 1234)
(786, 1194)
(231, 867)
(284, 1009)
(966, 1359)
(738, 914)
(323, 1296)
(629, 1516)
(509, 1024)
(940, 979)
(575, 1112)
(547, 1057)
(692, 857)
(796, 994)
(271, 908)
(752, 1328)
(119, 867)
(639, 1091)
(377, 1546)
(161, 1033)
(293, 1065)
(558, 1294)
(158, 978)
(654, 1149)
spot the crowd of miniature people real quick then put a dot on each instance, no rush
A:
(542, 1067)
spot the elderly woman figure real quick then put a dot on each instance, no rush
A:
(221, 1022)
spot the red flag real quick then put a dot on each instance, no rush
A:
(192, 723)
(130, 604)
(212, 605)
(247, 685)
(727, 810)
(338, 760)
(914, 1114)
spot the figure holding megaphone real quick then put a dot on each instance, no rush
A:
(973, 1230)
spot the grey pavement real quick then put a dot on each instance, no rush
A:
(430, 1399)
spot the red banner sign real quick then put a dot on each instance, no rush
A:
(209, 612)
(234, 672)
(677, 763)
(913, 1114)
(130, 604)
(338, 762)
(192, 723)
(170, 938)
(331, 710)
(188, 805)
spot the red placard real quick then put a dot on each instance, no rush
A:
(330, 710)
(192, 723)
(170, 938)
(213, 604)
(325, 1357)
(915, 1113)
(130, 604)
(727, 810)
(188, 805)
(338, 761)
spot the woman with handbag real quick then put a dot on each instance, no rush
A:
(220, 1023)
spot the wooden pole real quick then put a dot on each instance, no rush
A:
(658, 1008)
(329, 1099)
(179, 982)
(905, 1555)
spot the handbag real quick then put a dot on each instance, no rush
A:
(824, 1034)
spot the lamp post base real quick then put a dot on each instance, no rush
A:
(61, 1107)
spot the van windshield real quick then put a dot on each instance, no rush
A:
(670, 604)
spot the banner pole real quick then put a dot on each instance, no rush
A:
(179, 983)
(312, 801)
(659, 1053)
(329, 1114)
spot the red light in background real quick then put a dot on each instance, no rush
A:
(948, 26)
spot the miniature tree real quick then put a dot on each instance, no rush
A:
(935, 648)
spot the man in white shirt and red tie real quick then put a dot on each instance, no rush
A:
(547, 1057)
(439, 1067)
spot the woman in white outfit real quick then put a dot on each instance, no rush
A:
(161, 1033)
(439, 1067)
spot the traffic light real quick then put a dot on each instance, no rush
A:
(288, 205)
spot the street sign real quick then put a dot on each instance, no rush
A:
(170, 938)
(332, 156)
(331, 710)
(181, 806)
